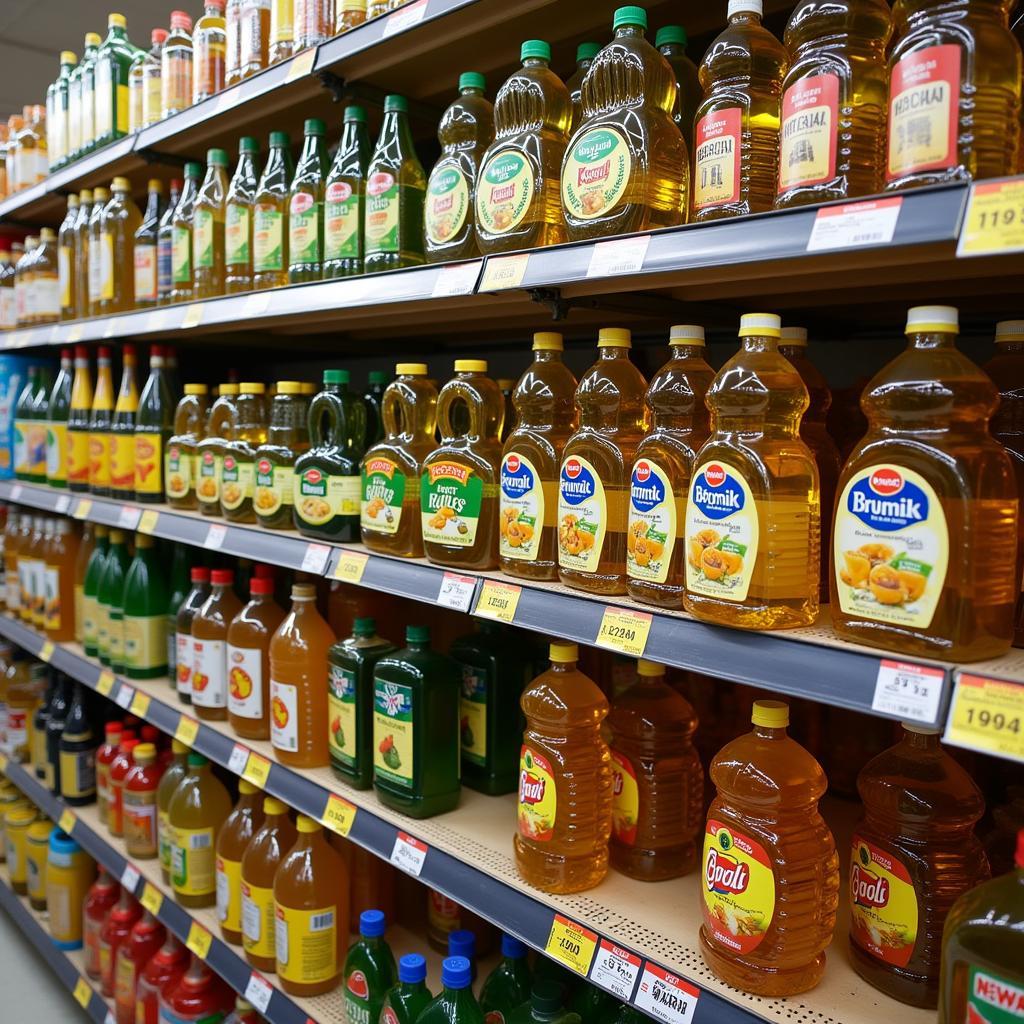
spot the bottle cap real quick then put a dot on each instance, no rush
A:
(314, 126)
(252, 387)
(117, 21)
(196, 389)
(395, 104)
(772, 714)
(271, 805)
(217, 157)
(307, 388)
(145, 753)
(303, 592)
(228, 388)
(47, 235)
(355, 114)
(155, 185)
(246, 788)
(1009, 330)
(932, 319)
(112, 729)
(417, 634)
(630, 16)
(193, 169)
(364, 627)
(535, 48)
(563, 652)
(222, 577)
(92, 39)
(176, 184)
(410, 369)
(587, 51)
(219, 4)
(686, 334)
(412, 969)
(200, 574)
(456, 972)
(62, 843)
(181, 19)
(649, 669)
(462, 943)
(117, 536)
(744, 7)
(470, 365)
(336, 376)
(177, 747)
(378, 377)
(505, 383)
(614, 337)
(512, 948)
(547, 341)
(794, 335)
(280, 140)
(372, 923)
(289, 387)
(39, 831)
(472, 80)
(68, 57)
(196, 760)
(158, 36)
(260, 587)
(671, 34)
(307, 824)
(760, 325)
(546, 996)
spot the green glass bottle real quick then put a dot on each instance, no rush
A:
(456, 1004)
(270, 216)
(508, 985)
(113, 62)
(110, 598)
(306, 207)
(57, 427)
(345, 199)
(154, 424)
(181, 244)
(369, 972)
(373, 397)
(395, 191)
(545, 1007)
(90, 591)
(23, 423)
(145, 613)
(410, 997)
(39, 417)
(415, 728)
(238, 219)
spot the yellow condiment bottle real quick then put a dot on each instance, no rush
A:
(69, 873)
(925, 533)
(16, 826)
(37, 849)
(118, 224)
(593, 487)
(753, 511)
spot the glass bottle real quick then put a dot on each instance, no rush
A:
(81, 242)
(66, 260)
(209, 45)
(110, 603)
(183, 226)
(46, 279)
(220, 429)
(180, 461)
(671, 42)
(78, 423)
(59, 583)
(254, 31)
(90, 593)
(145, 248)
(238, 470)
(306, 205)
(140, 808)
(8, 312)
(349, 14)
(101, 197)
(585, 54)
(178, 586)
(113, 62)
(57, 113)
(270, 216)
(208, 249)
(456, 1001)
(233, 50)
(147, 71)
(245, 820)
(121, 439)
(165, 245)
(176, 67)
(282, 44)
(82, 101)
(287, 439)
(238, 219)
(100, 418)
(345, 198)
(209, 647)
(313, 22)
(369, 970)
(194, 600)
(145, 613)
(119, 223)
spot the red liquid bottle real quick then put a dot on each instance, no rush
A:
(147, 936)
(116, 930)
(119, 769)
(199, 996)
(102, 896)
(113, 734)
(165, 969)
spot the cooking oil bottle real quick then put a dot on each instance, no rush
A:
(518, 205)
(390, 501)
(101, 197)
(626, 167)
(585, 54)
(736, 135)
(180, 459)
(954, 93)
(925, 531)
(345, 198)
(270, 216)
(238, 219)
(671, 42)
(660, 477)
(182, 270)
(459, 482)
(593, 488)
(770, 885)
(208, 228)
(834, 100)
(238, 468)
(220, 430)
(753, 514)
(546, 416)
(120, 221)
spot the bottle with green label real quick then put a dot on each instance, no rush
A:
(238, 469)
(145, 613)
(456, 1004)
(327, 481)
(238, 219)
(57, 426)
(306, 207)
(270, 216)
(165, 245)
(493, 674)
(369, 972)
(345, 198)
(287, 439)
(395, 190)
(208, 228)
(545, 1007)
(90, 591)
(110, 601)
(351, 664)
(410, 997)
(508, 985)
(113, 62)
(182, 225)
(465, 132)
(415, 728)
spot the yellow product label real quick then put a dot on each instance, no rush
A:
(147, 462)
(582, 515)
(115, 636)
(237, 479)
(722, 532)
(883, 904)
(393, 734)
(739, 888)
(99, 460)
(987, 715)
(90, 621)
(307, 944)
(447, 202)
(208, 469)
(145, 642)
(505, 191)
(122, 109)
(229, 893)
(122, 462)
(625, 799)
(473, 715)
(152, 100)
(102, 627)
(257, 919)
(79, 609)
(51, 597)
(654, 522)
(275, 486)
(78, 456)
(891, 546)
(596, 173)
(281, 21)
(77, 773)
(320, 497)
(193, 861)
(107, 266)
(164, 839)
(56, 453)
(177, 471)
(498, 601)
(571, 944)
(807, 151)
(538, 796)
(522, 508)
(338, 815)
(64, 258)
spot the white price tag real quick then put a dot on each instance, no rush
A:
(406, 17)
(456, 279)
(124, 697)
(258, 992)
(128, 518)
(615, 969)
(665, 996)
(315, 559)
(910, 692)
(109, 1018)
(456, 592)
(215, 536)
(130, 878)
(618, 256)
(853, 224)
(16, 492)
(237, 760)
(256, 305)
(63, 504)
(409, 854)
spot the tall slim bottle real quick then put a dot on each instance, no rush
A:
(182, 227)
(671, 42)
(254, 36)
(100, 418)
(209, 47)
(122, 430)
(238, 219)
(153, 427)
(57, 427)
(208, 228)
(66, 260)
(165, 245)
(345, 198)
(119, 222)
(101, 197)
(113, 62)
(80, 234)
(306, 207)
(78, 423)
(145, 248)
(270, 216)
(79, 121)
(585, 54)
(176, 66)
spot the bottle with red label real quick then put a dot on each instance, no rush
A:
(119, 769)
(200, 997)
(410, 997)
(146, 937)
(185, 660)
(116, 930)
(770, 885)
(163, 971)
(834, 98)
(209, 647)
(140, 804)
(99, 901)
(913, 854)
(105, 755)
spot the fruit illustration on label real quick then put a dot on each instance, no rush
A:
(357, 984)
(390, 753)
(280, 712)
(199, 681)
(240, 682)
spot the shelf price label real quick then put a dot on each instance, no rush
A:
(105, 683)
(82, 509)
(987, 715)
(666, 997)
(16, 492)
(302, 65)
(83, 993)
(409, 854)
(130, 878)
(125, 696)
(615, 969)
(618, 256)
(187, 731)
(152, 898)
(411, 14)
(256, 769)
(456, 279)
(338, 815)
(258, 992)
(994, 220)
(624, 630)
(148, 521)
(350, 566)
(456, 592)
(315, 558)
(498, 601)
(909, 692)
(46, 651)
(128, 517)
(193, 316)
(571, 944)
(140, 704)
(850, 225)
(501, 272)
(237, 760)
(66, 822)
(199, 940)
(63, 504)
(215, 536)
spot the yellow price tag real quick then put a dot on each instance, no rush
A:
(199, 940)
(193, 316)
(256, 769)
(624, 631)
(66, 822)
(351, 566)
(46, 651)
(187, 730)
(148, 521)
(105, 683)
(994, 221)
(301, 65)
(82, 509)
(498, 601)
(139, 705)
(571, 944)
(83, 993)
(3, 764)
(152, 898)
(502, 272)
(987, 715)
(75, 333)
(338, 815)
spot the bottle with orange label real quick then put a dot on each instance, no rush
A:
(121, 440)
(100, 417)
(242, 824)
(594, 483)
(565, 779)
(248, 661)
(209, 647)
(912, 855)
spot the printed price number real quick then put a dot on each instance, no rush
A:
(624, 631)
(106, 681)
(456, 592)
(130, 877)
(66, 822)
(615, 969)
(994, 221)
(258, 992)
(409, 854)
(152, 898)
(501, 272)
(350, 566)
(256, 770)
(666, 997)
(456, 279)
(987, 715)
(187, 730)
(83, 993)
(571, 944)
(618, 256)
(338, 815)
(908, 691)
(199, 940)
(140, 704)
(849, 225)
(498, 601)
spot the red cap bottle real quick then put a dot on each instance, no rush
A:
(113, 734)
(116, 929)
(147, 936)
(164, 970)
(200, 994)
(119, 768)
(102, 895)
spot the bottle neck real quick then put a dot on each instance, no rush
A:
(932, 340)
(535, 62)
(765, 732)
(629, 32)
(923, 741)
(745, 18)
(760, 343)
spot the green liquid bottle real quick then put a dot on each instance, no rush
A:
(145, 613)
(110, 600)
(456, 1004)
(369, 970)
(57, 427)
(545, 1007)
(39, 417)
(306, 207)
(410, 997)
(208, 228)
(508, 985)
(395, 190)
(270, 216)
(238, 219)
(90, 591)
(415, 728)
(113, 62)
(182, 224)
(345, 199)
(22, 423)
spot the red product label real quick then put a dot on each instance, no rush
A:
(357, 984)
(807, 137)
(338, 191)
(716, 169)
(301, 202)
(379, 183)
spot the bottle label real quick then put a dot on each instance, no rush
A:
(359, 1008)
(148, 460)
(274, 487)
(209, 674)
(8, 313)
(208, 484)
(582, 516)
(145, 273)
(163, 833)
(64, 258)
(35, 447)
(810, 125)
(891, 547)
(236, 482)
(17, 735)
(122, 461)
(992, 999)
(473, 715)
(78, 457)
(114, 637)
(152, 99)
(236, 235)
(320, 497)
(383, 205)
(102, 627)
(181, 256)
(164, 265)
(625, 799)
(738, 887)
(393, 733)
(721, 533)
(538, 796)
(267, 239)
(202, 238)
(245, 682)
(716, 178)
(145, 642)
(124, 980)
(193, 861)
(229, 893)
(104, 98)
(923, 111)
(284, 716)
(384, 485)
(51, 597)
(342, 221)
(883, 904)
(90, 621)
(257, 920)
(106, 269)
(505, 192)
(521, 512)
(56, 452)
(177, 471)
(77, 773)
(447, 202)
(595, 174)
(653, 521)
(343, 710)
(304, 242)
(307, 945)
(451, 495)
(140, 822)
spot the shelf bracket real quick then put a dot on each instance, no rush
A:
(334, 84)
(153, 156)
(552, 299)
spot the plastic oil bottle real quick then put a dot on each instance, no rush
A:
(238, 219)
(113, 62)
(834, 102)
(345, 198)
(736, 135)
(287, 439)
(594, 481)
(465, 132)
(518, 201)
(101, 197)
(100, 418)
(545, 417)
(260, 861)
(121, 438)
(57, 425)
(242, 824)
(753, 514)
(145, 248)
(248, 661)
(306, 207)
(180, 466)
(210, 45)
(924, 563)
(176, 66)
(209, 647)
(78, 423)
(208, 228)
(660, 479)
(238, 467)
(912, 855)
(220, 430)
(120, 220)
(770, 884)
(389, 515)
(671, 42)
(565, 779)
(626, 165)
(183, 225)
(585, 54)
(459, 483)
(270, 216)
(199, 591)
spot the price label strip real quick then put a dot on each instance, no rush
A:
(256, 770)
(140, 704)
(105, 683)
(409, 854)
(66, 823)
(125, 696)
(46, 651)
(258, 992)
(351, 566)
(498, 601)
(128, 517)
(851, 225)
(503, 272)
(907, 691)
(237, 760)
(987, 715)
(615, 969)
(199, 940)
(618, 256)
(148, 521)
(63, 504)
(215, 536)
(338, 815)
(130, 878)
(193, 316)
(315, 558)
(456, 592)
(404, 19)
(624, 631)
(83, 993)
(666, 997)
(456, 279)
(571, 944)
(187, 730)
(152, 898)
(302, 65)
(994, 220)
